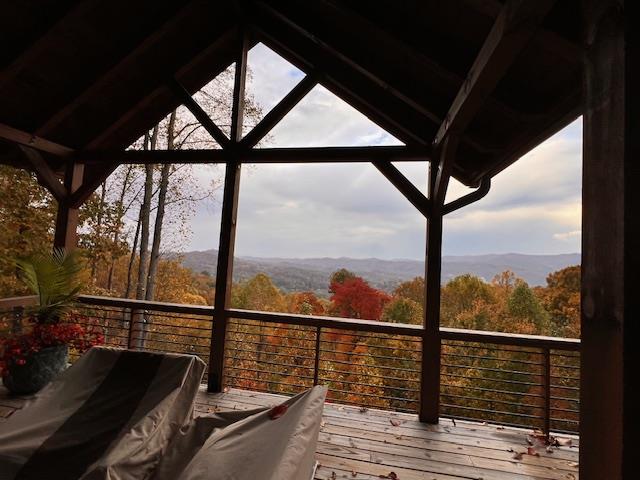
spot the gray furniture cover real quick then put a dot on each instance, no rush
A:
(263, 444)
(123, 415)
(109, 416)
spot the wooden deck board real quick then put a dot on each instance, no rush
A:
(367, 444)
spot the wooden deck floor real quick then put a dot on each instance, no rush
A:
(371, 444)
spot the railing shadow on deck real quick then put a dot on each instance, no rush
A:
(510, 379)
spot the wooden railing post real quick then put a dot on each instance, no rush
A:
(316, 363)
(546, 378)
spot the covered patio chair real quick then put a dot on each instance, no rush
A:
(111, 415)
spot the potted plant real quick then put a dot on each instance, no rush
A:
(31, 359)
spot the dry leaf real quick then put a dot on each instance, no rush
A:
(363, 409)
(518, 455)
(563, 442)
(499, 427)
(549, 449)
(354, 473)
(334, 476)
(394, 422)
(390, 476)
(529, 441)
(225, 389)
(573, 464)
(277, 411)
(454, 422)
(532, 451)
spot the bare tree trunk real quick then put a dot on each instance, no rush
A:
(99, 218)
(132, 259)
(116, 234)
(162, 197)
(145, 213)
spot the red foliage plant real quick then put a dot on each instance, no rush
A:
(16, 349)
(354, 298)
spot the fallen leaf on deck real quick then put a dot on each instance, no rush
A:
(573, 464)
(563, 442)
(391, 476)
(322, 424)
(529, 441)
(499, 427)
(354, 473)
(454, 422)
(277, 411)
(225, 389)
(532, 451)
(334, 476)
(363, 409)
(394, 422)
(549, 449)
(518, 455)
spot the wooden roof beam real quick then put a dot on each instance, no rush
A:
(259, 155)
(32, 141)
(46, 176)
(516, 24)
(404, 186)
(353, 96)
(277, 113)
(205, 120)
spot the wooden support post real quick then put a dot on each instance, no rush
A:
(224, 272)
(66, 235)
(610, 253)
(439, 173)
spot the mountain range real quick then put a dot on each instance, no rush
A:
(312, 274)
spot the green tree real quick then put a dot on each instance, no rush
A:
(527, 310)
(403, 310)
(412, 290)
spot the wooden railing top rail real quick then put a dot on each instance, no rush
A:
(453, 334)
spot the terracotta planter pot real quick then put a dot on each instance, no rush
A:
(40, 369)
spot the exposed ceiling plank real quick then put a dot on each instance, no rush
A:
(259, 155)
(24, 138)
(40, 46)
(46, 176)
(111, 74)
(120, 125)
(516, 24)
(404, 186)
(277, 113)
(552, 42)
(198, 112)
(448, 80)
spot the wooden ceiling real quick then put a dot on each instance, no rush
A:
(94, 75)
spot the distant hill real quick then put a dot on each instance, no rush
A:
(302, 274)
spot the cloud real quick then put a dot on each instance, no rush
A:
(351, 210)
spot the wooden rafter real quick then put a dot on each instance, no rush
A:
(46, 176)
(32, 141)
(260, 155)
(123, 121)
(384, 117)
(404, 186)
(91, 181)
(111, 75)
(198, 112)
(516, 24)
(277, 113)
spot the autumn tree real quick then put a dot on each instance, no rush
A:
(354, 298)
(412, 290)
(402, 310)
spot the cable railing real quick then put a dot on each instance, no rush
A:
(509, 379)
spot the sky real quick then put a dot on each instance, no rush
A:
(335, 210)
